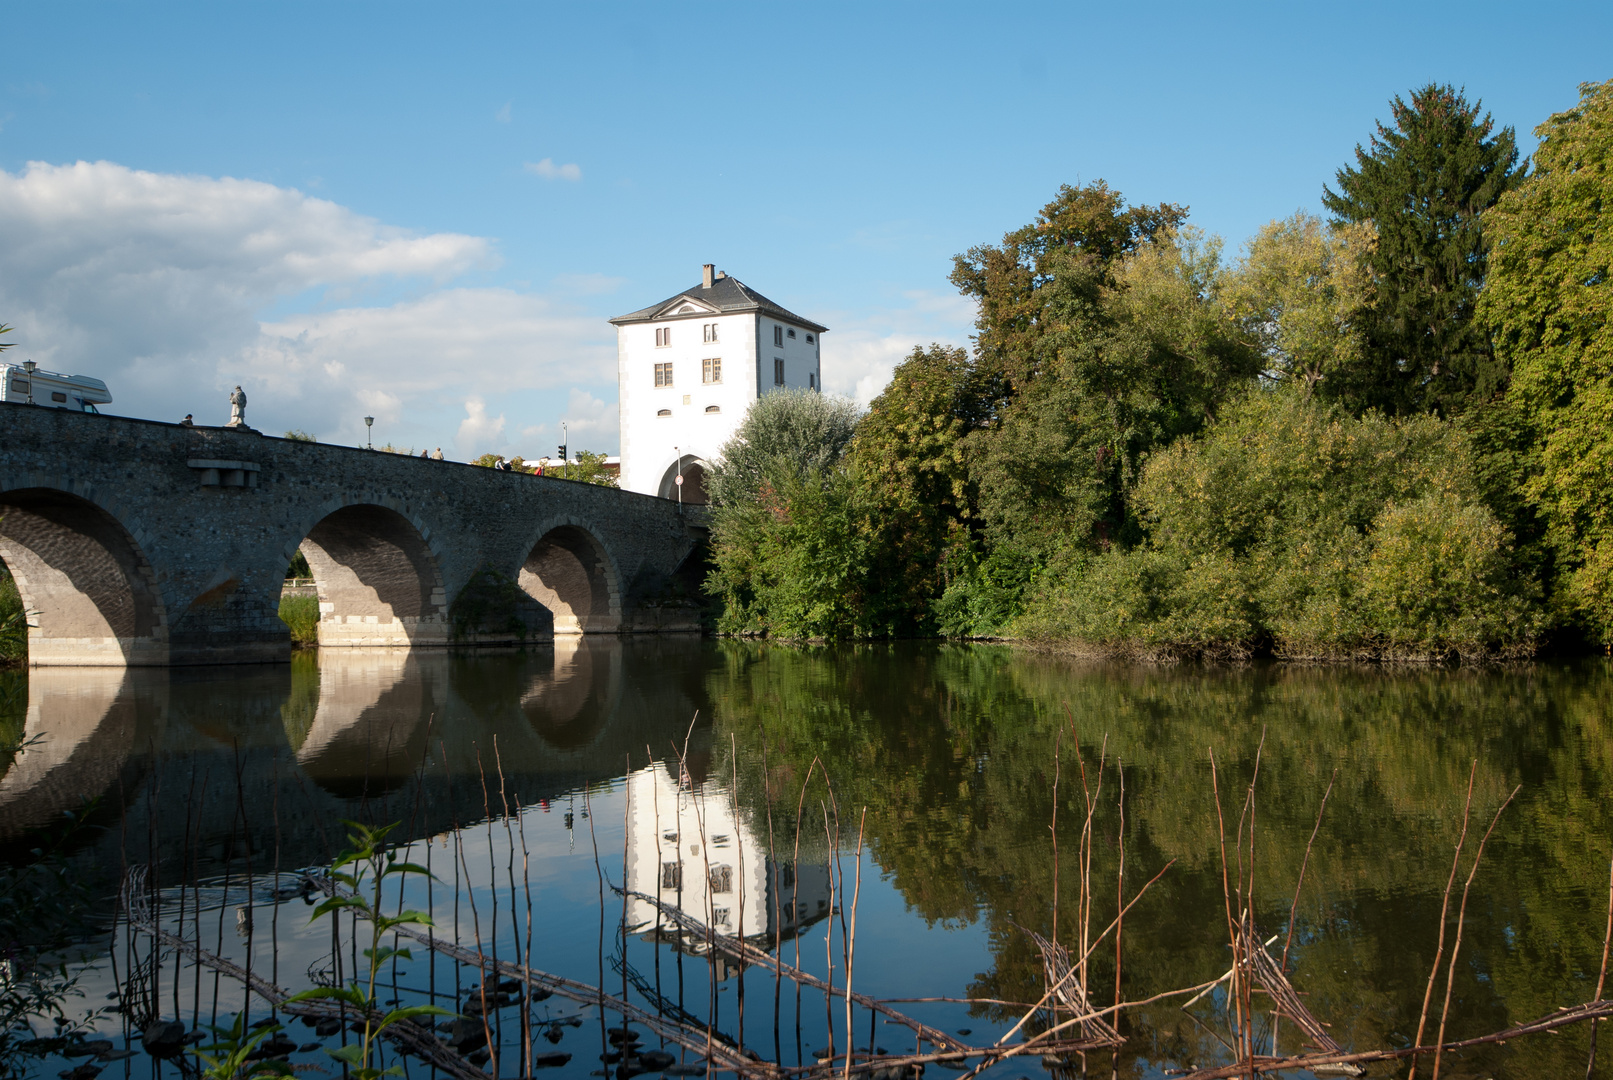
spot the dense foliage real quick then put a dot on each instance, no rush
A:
(1295, 527)
(1383, 435)
(1549, 306)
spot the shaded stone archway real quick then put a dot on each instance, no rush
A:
(569, 572)
(693, 471)
(90, 594)
(377, 580)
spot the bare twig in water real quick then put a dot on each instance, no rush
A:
(1226, 895)
(1444, 909)
(1461, 918)
(1601, 976)
(851, 936)
(1305, 862)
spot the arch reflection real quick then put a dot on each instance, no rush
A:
(570, 705)
(372, 720)
(81, 727)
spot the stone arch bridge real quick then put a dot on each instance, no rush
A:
(138, 543)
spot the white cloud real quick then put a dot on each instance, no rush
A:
(431, 354)
(155, 283)
(860, 353)
(503, 115)
(479, 430)
(591, 421)
(550, 171)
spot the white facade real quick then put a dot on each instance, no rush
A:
(677, 409)
(689, 850)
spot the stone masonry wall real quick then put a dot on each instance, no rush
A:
(212, 517)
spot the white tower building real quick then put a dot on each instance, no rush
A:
(689, 367)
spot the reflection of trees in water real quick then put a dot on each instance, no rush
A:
(951, 748)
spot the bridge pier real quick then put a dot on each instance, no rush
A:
(128, 551)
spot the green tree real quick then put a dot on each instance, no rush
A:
(909, 463)
(1091, 224)
(586, 466)
(801, 432)
(299, 435)
(1135, 354)
(1297, 292)
(1548, 304)
(1423, 185)
(795, 562)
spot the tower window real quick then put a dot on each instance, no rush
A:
(778, 371)
(663, 336)
(792, 331)
(812, 380)
(663, 412)
(711, 370)
(809, 339)
(778, 336)
(710, 332)
(663, 374)
(713, 408)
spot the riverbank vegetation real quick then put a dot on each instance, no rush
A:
(301, 615)
(13, 622)
(1378, 435)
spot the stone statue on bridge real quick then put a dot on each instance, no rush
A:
(238, 410)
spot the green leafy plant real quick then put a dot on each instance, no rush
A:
(230, 1056)
(301, 614)
(370, 863)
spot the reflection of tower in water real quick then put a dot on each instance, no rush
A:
(688, 848)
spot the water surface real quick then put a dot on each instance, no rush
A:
(532, 782)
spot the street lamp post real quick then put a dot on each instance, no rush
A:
(30, 367)
(369, 428)
(677, 481)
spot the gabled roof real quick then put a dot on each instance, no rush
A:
(727, 296)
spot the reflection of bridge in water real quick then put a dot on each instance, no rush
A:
(343, 735)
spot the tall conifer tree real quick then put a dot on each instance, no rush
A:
(1423, 184)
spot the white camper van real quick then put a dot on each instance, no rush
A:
(54, 391)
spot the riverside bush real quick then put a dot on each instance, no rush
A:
(1293, 526)
(13, 625)
(301, 614)
(795, 563)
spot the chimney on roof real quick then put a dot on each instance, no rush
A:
(721, 274)
(706, 271)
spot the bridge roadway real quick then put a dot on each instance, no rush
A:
(140, 543)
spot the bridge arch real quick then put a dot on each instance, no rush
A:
(378, 578)
(89, 589)
(569, 571)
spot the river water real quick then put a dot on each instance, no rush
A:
(897, 797)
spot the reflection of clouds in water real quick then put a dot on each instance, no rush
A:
(370, 727)
(83, 724)
(571, 704)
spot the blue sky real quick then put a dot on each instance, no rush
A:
(427, 212)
